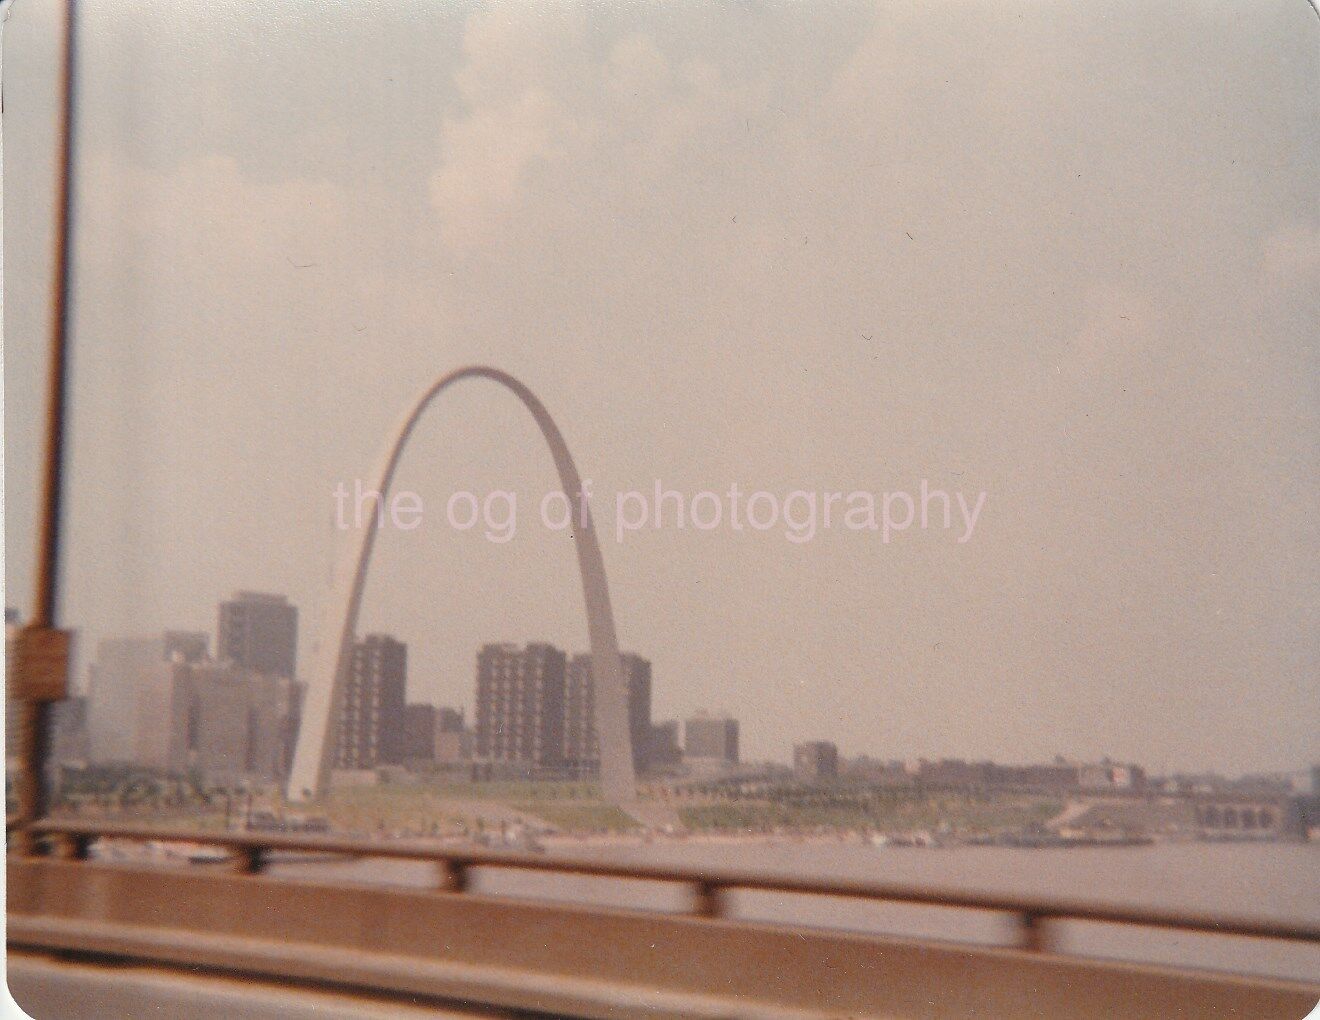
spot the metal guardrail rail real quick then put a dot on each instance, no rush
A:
(250, 853)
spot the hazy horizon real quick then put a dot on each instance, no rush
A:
(1067, 257)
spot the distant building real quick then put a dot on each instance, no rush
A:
(186, 645)
(1265, 784)
(815, 759)
(130, 689)
(711, 739)
(1059, 776)
(664, 750)
(432, 734)
(1108, 775)
(520, 704)
(68, 730)
(419, 732)
(228, 723)
(454, 742)
(581, 745)
(892, 772)
(159, 702)
(370, 727)
(452, 746)
(449, 720)
(258, 632)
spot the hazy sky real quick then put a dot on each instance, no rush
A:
(1065, 253)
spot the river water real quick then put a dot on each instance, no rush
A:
(1261, 880)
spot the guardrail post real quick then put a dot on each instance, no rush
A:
(73, 846)
(248, 860)
(452, 876)
(1031, 928)
(706, 899)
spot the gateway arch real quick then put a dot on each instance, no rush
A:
(312, 761)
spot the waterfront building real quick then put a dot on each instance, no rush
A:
(370, 727)
(520, 704)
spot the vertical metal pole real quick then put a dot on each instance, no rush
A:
(34, 713)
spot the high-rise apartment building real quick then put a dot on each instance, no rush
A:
(581, 745)
(520, 704)
(370, 728)
(258, 632)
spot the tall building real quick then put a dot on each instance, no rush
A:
(130, 686)
(419, 730)
(258, 632)
(581, 745)
(370, 729)
(520, 704)
(453, 740)
(160, 702)
(229, 723)
(711, 739)
(449, 720)
(186, 645)
(68, 730)
(815, 759)
(663, 748)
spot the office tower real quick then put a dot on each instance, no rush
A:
(258, 632)
(186, 645)
(520, 704)
(664, 749)
(419, 730)
(815, 759)
(68, 730)
(130, 685)
(369, 731)
(581, 746)
(711, 739)
(229, 724)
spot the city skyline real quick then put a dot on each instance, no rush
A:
(1104, 320)
(192, 647)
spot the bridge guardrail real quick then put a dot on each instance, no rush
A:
(708, 886)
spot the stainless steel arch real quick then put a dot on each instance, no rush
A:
(309, 777)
